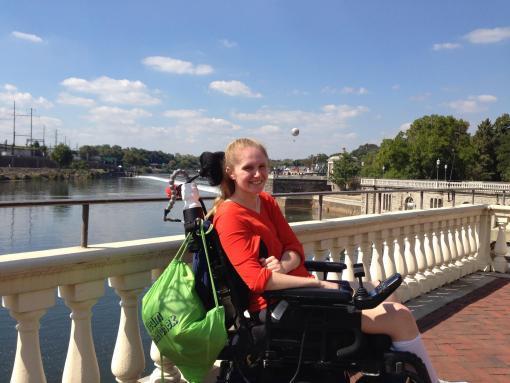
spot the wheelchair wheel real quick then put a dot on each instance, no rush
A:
(400, 367)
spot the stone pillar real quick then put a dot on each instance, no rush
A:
(321, 250)
(350, 258)
(81, 362)
(128, 360)
(397, 249)
(376, 266)
(439, 268)
(170, 373)
(27, 309)
(365, 255)
(410, 262)
(501, 248)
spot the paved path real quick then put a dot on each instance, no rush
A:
(469, 337)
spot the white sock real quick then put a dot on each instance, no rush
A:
(417, 347)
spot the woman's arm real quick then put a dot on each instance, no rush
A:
(288, 262)
(278, 281)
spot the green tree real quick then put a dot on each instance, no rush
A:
(484, 141)
(62, 155)
(87, 152)
(344, 170)
(503, 157)
(133, 157)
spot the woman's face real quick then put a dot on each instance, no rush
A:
(250, 170)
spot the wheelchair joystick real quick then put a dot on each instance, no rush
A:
(359, 273)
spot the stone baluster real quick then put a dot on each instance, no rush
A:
(321, 252)
(350, 258)
(27, 309)
(365, 255)
(467, 260)
(170, 372)
(480, 263)
(128, 360)
(501, 248)
(452, 273)
(426, 278)
(460, 247)
(452, 244)
(335, 256)
(429, 257)
(412, 277)
(483, 239)
(397, 249)
(469, 232)
(388, 255)
(439, 268)
(376, 266)
(81, 362)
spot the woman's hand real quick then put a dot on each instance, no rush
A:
(273, 264)
(329, 285)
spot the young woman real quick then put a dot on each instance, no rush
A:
(244, 215)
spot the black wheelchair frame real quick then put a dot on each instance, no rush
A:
(317, 338)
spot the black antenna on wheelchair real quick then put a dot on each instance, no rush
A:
(359, 272)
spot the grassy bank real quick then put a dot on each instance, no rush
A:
(7, 174)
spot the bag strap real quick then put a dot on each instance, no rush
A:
(182, 250)
(204, 244)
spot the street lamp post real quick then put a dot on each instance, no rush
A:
(383, 169)
(445, 169)
(437, 170)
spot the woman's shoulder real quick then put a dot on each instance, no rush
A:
(265, 196)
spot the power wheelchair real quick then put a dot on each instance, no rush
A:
(306, 335)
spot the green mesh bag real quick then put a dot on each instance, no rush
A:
(177, 322)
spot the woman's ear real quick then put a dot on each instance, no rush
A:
(230, 175)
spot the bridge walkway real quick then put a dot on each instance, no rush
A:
(465, 327)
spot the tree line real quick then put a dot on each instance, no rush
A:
(104, 156)
(433, 147)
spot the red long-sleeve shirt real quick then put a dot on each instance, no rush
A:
(241, 229)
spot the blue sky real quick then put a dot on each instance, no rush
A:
(191, 76)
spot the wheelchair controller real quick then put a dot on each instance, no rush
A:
(364, 299)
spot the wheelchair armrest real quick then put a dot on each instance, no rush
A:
(329, 267)
(311, 296)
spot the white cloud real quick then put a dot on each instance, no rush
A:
(228, 43)
(112, 91)
(23, 99)
(395, 87)
(269, 129)
(171, 65)
(27, 37)
(486, 98)
(488, 36)
(329, 119)
(192, 126)
(115, 116)
(69, 99)
(183, 113)
(50, 122)
(405, 126)
(351, 90)
(445, 46)
(233, 88)
(473, 104)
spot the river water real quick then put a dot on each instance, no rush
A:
(38, 228)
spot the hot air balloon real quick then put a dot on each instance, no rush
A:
(295, 132)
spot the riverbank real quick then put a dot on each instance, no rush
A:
(11, 174)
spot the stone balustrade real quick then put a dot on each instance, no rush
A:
(431, 184)
(428, 247)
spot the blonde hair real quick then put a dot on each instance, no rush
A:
(227, 185)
